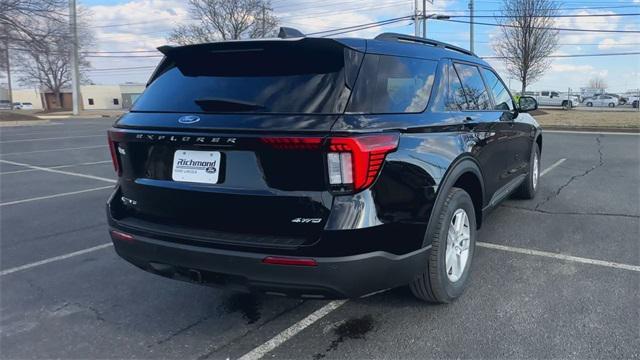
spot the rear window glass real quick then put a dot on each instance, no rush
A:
(388, 84)
(307, 76)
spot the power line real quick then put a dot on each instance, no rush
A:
(380, 22)
(549, 16)
(547, 28)
(569, 56)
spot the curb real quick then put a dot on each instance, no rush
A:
(23, 123)
(79, 117)
(592, 129)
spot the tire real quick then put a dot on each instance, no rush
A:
(436, 284)
(635, 104)
(611, 105)
(567, 105)
(529, 187)
(589, 104)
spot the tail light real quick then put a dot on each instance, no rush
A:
(353, 163)
(114, 156)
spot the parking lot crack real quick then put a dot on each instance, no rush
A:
(182, 330)
(549, 212)
(573, 178)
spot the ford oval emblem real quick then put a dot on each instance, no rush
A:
(188, 119)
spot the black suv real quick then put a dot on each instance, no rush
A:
(318, 168)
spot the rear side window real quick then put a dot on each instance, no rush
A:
(457, 99)
(389, 84)
(500, 93)
(474, 88)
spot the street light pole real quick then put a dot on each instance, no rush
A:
(75, 62)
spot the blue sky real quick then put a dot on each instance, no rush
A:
(153, 19)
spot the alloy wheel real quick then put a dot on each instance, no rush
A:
(458, 240)
(535, 173)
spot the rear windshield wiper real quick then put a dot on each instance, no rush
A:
(227, 105)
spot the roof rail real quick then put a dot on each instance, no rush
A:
(409, 38)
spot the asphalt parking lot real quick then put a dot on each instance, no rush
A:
(555, 277)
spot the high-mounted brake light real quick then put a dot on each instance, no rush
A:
(114, 156)
(353, 163)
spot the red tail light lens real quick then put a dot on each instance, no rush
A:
(114, 156)
(293, 143)
(353, 163)
(360, 158)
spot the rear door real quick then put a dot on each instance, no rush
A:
(495, 126)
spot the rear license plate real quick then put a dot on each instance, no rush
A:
(196, 166)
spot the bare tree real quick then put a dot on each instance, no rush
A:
(19, 19)
(48, 64)
(226, 20)
(597, 82)
(526, 40)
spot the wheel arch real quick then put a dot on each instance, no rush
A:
(464, 173)
(539, 142)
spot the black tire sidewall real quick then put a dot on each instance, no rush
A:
(452, 290)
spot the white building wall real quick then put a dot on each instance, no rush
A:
(28, 95)
(101, 97)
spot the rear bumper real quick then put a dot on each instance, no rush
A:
(333, 277)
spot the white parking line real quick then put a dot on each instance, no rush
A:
(582, 260)
(53, 259)
(57, 167)
(53, 196)
(290, 332)
(287, 334)
(50, 150)
(58, 171)
(553, 166)
(591, 132)
(52, 138)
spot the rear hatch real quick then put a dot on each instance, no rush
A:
(225, 146)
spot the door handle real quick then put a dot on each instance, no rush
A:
(468, 119)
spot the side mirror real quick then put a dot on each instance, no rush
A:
(527, 103)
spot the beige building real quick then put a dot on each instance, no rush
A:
(92, 97)
(101, 97)
(32, 96)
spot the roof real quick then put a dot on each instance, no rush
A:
(406, 45)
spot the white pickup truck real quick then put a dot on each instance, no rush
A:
(554, 98)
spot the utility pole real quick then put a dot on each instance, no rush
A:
(416, 18)
(10, 91)
(75, 62)
(424, 19)
(264, 17)
(471, 40)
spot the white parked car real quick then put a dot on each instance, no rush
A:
(601, 100)
(554, 98)
(23, 106)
